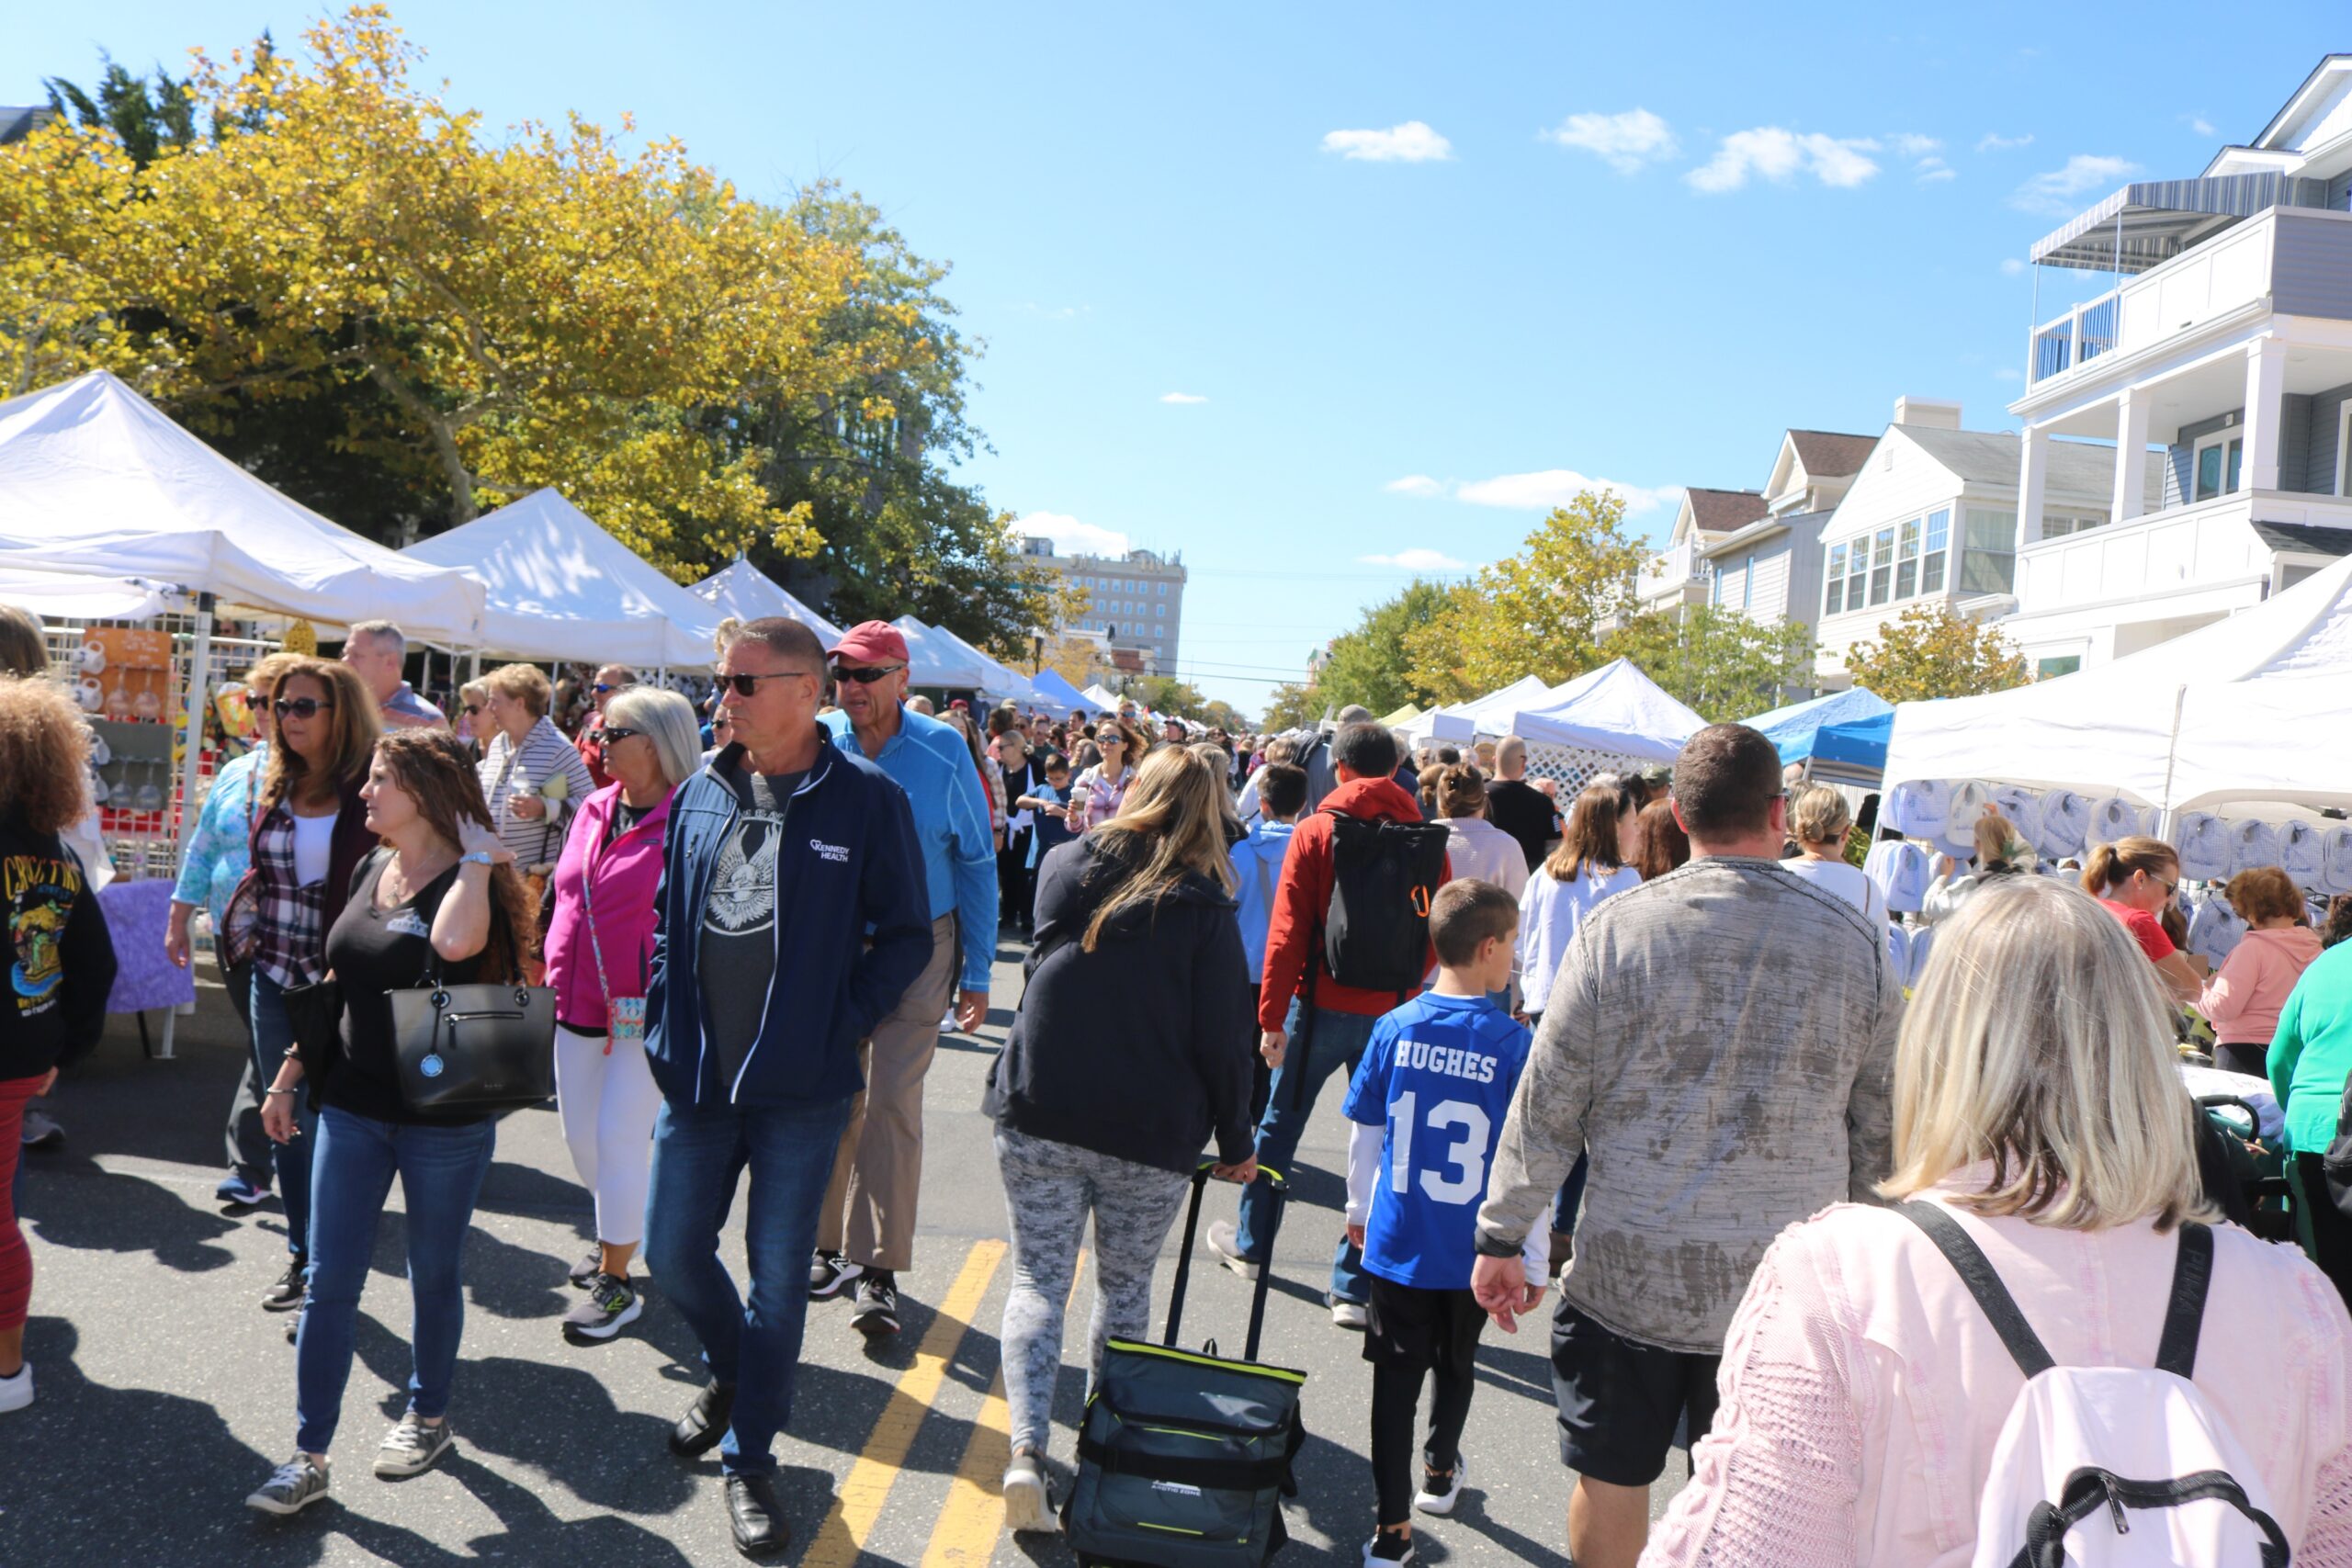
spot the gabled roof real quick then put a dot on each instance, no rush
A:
(19, 121)
(1723, 511)
(1763, 529)
(1829, 455)
(1990, 457)
(2297, 107)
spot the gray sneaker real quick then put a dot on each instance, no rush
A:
(292, 1487)
(610, 1306)
(413, 1448)
(1028, 1500)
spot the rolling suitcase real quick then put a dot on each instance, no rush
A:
(1184, 1457)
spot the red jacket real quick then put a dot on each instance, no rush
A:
(592, 753)
(1293, 937)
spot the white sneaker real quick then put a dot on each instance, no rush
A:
(1348, 1314)
(1225, 1240)
(1028, 1503)
(1441, 1503)
(16, 1393)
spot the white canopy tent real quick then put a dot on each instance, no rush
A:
(1102, 697)
(1615, 710)
(2256, 707)
(75, 596)
(1490, 714)
(744, 591)
(935, 659)
(560, 587)
(1003, 679)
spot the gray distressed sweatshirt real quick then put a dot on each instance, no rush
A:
(1721, 1043)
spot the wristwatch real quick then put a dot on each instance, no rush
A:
(478, 857)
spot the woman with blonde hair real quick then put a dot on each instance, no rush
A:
(1131, 1050)
(1819, 820)
(2135, 878)
(2039, 1113)
(1473, 846)
(1999, 853)
(532, 777)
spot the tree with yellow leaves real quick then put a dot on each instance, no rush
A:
(1933, 653)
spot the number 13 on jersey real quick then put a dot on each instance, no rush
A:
(1463, 1151)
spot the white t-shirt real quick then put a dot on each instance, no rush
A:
(1847, 882)
(1549, 913)
(313, 849)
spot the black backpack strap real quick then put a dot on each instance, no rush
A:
(1976, 1271)
(2185, 1314)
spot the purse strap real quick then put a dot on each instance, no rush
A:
(588, 855)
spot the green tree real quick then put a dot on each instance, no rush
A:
(1166, 694)
(1224, 716)
(1723, 663)
(1539, 611)
(1369, 665)
(1933, 653)
(1292, 705)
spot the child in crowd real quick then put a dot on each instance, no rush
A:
(1257, 872)
(1050, 801)
(1427, 1103)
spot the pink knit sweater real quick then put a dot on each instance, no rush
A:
(2241, 1002)
(1863, 1389)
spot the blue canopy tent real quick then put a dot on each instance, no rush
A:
(1058, 693)
(1796, 727)
(1854, 752)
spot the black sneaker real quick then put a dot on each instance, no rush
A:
(611, 1306)
(286, 1295)
(583, 1273)
(413, 1448)
(830, 1273)
(292, 1487)
(877, 1313)
(704, 1422)
(1386, 1549)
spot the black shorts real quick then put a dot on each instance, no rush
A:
(1620, 1400)
(1423, 1329)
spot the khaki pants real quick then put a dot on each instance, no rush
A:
(869, 1211)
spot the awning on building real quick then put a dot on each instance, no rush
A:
(2159, 218)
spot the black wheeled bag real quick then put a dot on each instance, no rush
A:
(1184, 1457)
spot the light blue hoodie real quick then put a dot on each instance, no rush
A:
(1258, 867)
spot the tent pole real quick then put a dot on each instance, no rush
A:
(192, 749)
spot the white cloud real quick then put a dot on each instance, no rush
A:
(1623, 141)
(1417, 560)
(1182, 398)
(1933, 171)
(2012, 267)
(1413, 484)
(2202, 126)
(1992, 142)
(2055, 191)
(2008, 373)
(1557, 486)
(1411, 142)
(1070, 536)
(1778, 156)
(1912, 146)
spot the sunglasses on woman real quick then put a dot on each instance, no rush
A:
(473, 707)
(298, 707)
(613, 736)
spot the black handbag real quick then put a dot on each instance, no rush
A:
(314, 1015)
(474, 1050)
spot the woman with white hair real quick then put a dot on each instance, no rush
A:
(599, 953)
(2039, 1119)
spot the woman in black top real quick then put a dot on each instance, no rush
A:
(440, 899)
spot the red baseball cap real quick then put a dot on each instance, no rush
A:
(871, 642)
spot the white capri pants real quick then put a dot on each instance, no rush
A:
(607, 1101)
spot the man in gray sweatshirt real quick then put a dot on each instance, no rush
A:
(1721, 1043)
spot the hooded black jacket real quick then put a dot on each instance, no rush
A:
(1141, 1049)
(61, 959)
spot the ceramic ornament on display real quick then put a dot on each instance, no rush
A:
(91, 659)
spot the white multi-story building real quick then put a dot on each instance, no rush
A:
(1135, 602)
(1750, 549)
(2229, 343)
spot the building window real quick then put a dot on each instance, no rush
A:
(1988, 561)
(2343, 450)
(2216, 463)
(1161, 610)
(1163, 591)
(1931, 564)
(1882, 565)
(2062, 664)
(1833, 598)
(1906, 560)
(1857, 573)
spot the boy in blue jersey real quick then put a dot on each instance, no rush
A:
(1428, 1102)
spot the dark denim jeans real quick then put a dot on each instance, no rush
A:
(440, 1170)
(1336, 1045)
(272, 1034)
(699, 1152)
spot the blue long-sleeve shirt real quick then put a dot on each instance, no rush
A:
(220, 847)
(930, 761)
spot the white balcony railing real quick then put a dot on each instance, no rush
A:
(2180, 551)
(2080, 335)
(1671, 570)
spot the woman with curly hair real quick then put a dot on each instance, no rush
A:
(61, 959)
(439, 897)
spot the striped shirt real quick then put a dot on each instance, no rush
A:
(507, 770)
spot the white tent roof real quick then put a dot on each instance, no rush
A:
(95, 478)
(560, 587)
(72, 596)
(744, 591)
(1616, 709)
(1003, 679)
(1490, 714)
(2257, 706)
(935, 659)
(1101, 698)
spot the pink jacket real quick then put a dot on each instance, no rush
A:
(627, 871)
(2242, 1001)
(1863, 1389)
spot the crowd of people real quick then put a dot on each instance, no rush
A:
(1816, 1220)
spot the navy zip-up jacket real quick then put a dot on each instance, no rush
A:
(852, 931)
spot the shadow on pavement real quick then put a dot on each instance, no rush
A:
(75, 1203)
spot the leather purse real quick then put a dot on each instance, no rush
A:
(239, 936)
(474, 1050)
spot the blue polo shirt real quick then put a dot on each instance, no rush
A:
(930, 760)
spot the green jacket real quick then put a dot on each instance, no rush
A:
(2311, 1054)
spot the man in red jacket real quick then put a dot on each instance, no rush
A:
(1363, 757)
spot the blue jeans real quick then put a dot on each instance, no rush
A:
(699, 1152)
(440, 1170)
(271, 1035)
(1336, 1045)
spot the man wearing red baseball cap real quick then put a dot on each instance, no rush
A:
(866, 1232)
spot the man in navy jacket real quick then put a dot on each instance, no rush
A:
(793, 915)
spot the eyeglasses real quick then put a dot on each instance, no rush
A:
(473, 707)
(748, 686)
(601, 687)
(613, 735)
(298, 707)
(866, 676)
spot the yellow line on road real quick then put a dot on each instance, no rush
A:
(859, 1502)
(969, 1526)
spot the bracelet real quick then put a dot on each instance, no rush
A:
(274, 1089)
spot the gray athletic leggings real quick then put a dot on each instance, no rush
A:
(1049, 1190)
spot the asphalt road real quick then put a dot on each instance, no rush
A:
(166, 1393)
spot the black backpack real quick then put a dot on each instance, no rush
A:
(1377, 928)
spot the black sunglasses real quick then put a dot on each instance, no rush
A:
(747, 685)
(866, 676)
(613, 736)
(473, 707)
(300, 707)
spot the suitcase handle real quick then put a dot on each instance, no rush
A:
(1280, 1186)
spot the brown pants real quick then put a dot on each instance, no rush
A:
(869, 1211)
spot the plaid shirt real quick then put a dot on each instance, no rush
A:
(290, 923)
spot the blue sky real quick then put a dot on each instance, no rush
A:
(1305, 290)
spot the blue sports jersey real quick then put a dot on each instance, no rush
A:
(1439, 1074)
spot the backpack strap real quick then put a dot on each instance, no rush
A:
(1976, 1271)
(2185, 1314)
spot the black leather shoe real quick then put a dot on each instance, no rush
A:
(704, 1422)
(755, 1516)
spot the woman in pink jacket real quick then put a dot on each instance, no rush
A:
(2243, 1001)
(2038, 1110)
(599, 947)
